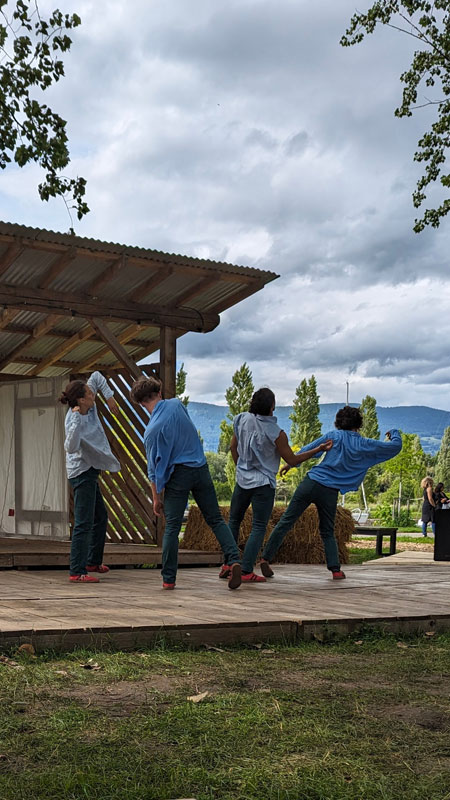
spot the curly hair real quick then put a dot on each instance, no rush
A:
(348, 419)
(262, 402)
(72, 393)
(426, 482)
(145, 389)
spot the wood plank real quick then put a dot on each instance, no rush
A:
(167, 362)
(40, 330)
(115, 346)
(81, 336)
(13, 252)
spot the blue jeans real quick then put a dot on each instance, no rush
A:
(198, 481)
(90, 521)
(424, 527)
(325, 499)
(261, 498)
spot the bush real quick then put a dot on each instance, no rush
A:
(402, 518)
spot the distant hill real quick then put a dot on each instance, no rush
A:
(428, 423)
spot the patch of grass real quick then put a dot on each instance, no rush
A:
(361, 554)
(359, 719)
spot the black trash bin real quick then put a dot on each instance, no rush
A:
(442, 535)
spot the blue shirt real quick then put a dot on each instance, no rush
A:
(258, 457)
(344, 466)
(171, 438)
(86, 444)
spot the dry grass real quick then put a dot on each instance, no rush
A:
(302, 545)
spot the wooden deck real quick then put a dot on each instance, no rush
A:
(128, 608)
(22, 552)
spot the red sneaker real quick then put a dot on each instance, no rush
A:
(266, 569)
(168, 585)
(250, 577)
(235, 577)
(83, 579)
(98, 568)
(338, 575)
(225, 572)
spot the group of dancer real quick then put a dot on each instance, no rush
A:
(177, 466)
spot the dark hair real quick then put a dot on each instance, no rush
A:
(72, 393)
(348, 419)
(439, 487)
(262, 402)
(145, 389)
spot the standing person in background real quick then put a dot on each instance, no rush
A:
(257, 445)
(87, 454)
(428, 505)
(177, 466)
(440, 498)
(342, 470)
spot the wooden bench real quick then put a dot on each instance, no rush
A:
(379, 533)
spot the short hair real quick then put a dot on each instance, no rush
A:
(348, 418)
(73, 392)
(426, 482)
(145, 389)
(262, 402)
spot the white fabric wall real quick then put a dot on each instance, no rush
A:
(7, 462)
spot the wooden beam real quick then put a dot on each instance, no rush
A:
(195, 290)
(14, 251)
(74, 341)
(59, 334)
(57, 267)
(6, 316)
(70, 304)
(106, 276)
(123, 338)
(167, 361)
(39, 330)
(239, 295)
(151, 283)
(115, 346)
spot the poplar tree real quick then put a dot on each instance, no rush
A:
(443, 460)
(306, 425)
(238, 397)
(180, 385)
(370, 430)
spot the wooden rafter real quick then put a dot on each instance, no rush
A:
(195, 290)
(68, 345)
(56, 333)
(113, 269)
(151, 283)
(39, 330)
(70, 304)
(115, 346)
(57, 267)
(6, 316)
(14, 251)
(123, 338)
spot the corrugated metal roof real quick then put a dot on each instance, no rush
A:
(60, 277)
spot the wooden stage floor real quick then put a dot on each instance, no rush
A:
(128, 608)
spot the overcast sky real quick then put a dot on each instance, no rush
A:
(241, 131)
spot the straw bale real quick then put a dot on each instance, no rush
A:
(302, 544)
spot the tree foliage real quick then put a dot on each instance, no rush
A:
(31, 49)
(238, 397)
(442, 469)
(370, 430)
(409, 465)
(180, 385)
(306, 425)
(428, 23)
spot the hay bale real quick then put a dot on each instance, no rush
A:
(302, 545)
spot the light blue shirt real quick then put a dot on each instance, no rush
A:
(344, 467)
(171, 438)
(258, 457)
(86, 444)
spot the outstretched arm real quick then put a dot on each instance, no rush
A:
(98, 383)
(294, 460)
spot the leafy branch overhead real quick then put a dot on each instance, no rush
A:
(30, 62)
(429, 24)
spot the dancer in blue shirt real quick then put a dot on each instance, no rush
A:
(177, 466)
(342, 470)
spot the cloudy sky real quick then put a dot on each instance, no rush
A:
(241, 131)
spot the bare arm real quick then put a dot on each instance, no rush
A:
(158, 501)
(430, 496)
(294, 460)
(234, 448)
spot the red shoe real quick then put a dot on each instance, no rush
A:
(83, 579)
(338, 575)
(168, 585)
(98, 568)
(266, 569)
(250, 577)
(225, 572)
(235, 577)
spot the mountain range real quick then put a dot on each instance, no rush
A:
(428, 423)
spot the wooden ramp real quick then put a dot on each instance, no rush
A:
(21, 553)
(128, 609)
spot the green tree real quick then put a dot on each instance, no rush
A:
(442, 469)
(371, 430)
(429, 24)
(306, 425)
(238, 397)
(180, 385)
(409, 467)
(30, 131)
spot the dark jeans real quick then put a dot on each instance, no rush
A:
(198, 481)
(261, 498)
(325, 499)
(90, 521)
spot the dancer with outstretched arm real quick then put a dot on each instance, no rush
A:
(87, 454)
(342, 470)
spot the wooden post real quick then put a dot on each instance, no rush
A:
(167, 361)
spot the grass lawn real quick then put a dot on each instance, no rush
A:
(352, 720)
